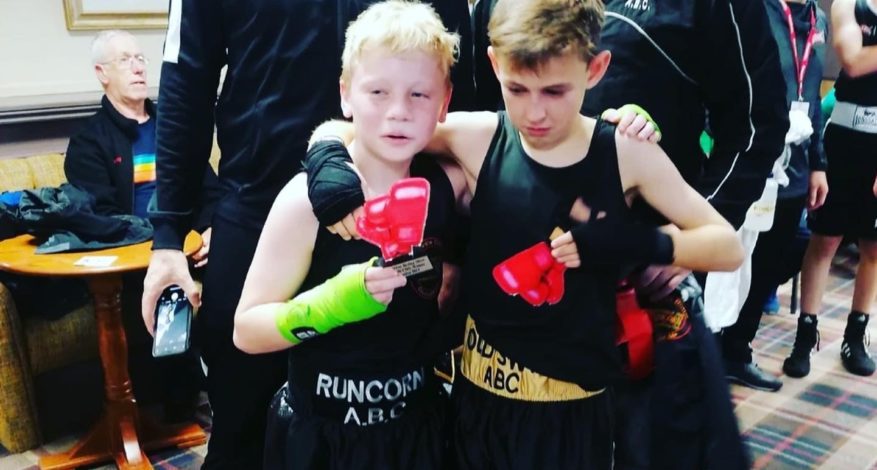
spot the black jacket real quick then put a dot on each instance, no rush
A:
(283, 59)
(682, 60)
(99, 162)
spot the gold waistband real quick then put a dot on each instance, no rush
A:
(488, 369)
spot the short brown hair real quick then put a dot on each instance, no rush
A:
(530, 32)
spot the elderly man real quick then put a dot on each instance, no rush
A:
(113, 158)
(113, 155)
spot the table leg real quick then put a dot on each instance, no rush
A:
(121, 434)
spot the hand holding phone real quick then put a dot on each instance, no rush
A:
(173, 320)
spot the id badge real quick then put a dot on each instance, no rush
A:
(803, 106)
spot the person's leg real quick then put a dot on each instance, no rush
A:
(854, 353)
(181, 378)
(814, 277)
(768, 260)
(631, 402)
(495, 432)
(814, 271)
(865, 289)
(772, 303)
(828, 224)
(239, 386)
(173, 380)
(861, 162)
(692, 417)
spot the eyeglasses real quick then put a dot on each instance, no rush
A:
(128, 61)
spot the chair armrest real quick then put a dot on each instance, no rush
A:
(19, 430)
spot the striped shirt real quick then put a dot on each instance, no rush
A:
(143, 152)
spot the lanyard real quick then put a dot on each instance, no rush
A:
(802, 63)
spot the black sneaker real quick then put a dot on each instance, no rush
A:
(798, 363)
(749, 375)
(853, 351)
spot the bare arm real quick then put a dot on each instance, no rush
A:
(705, 241)
(466, 137)
(857, 60)
(463, 136)
(333, 128)
(280, 264)
(460, 184)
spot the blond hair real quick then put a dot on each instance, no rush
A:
(530, 32)
(399, 26)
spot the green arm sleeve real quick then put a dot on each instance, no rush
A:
(340, 300)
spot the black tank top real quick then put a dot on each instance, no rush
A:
(861, 90)
(517, 204)
(392, 340)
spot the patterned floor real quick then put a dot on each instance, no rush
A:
(170, 459)
(826, 421)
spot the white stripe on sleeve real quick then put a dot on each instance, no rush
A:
(749, 87)
(172, 41)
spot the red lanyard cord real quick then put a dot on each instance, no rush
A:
(802, 63)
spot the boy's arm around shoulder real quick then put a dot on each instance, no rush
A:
(333, 129)
(465, 136)
(704, 241)
(279, 266)
(459, 183)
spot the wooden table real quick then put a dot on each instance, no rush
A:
(122, 433)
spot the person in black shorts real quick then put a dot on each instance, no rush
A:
(778, 253)
(279, 63)
(851, 206)
(361, 392)
(539, 350)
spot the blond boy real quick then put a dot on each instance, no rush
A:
(360, 392)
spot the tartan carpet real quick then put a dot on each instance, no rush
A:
(168, 459)
(824, 421)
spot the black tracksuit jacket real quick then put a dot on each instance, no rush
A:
(99, 162)
(283, 65)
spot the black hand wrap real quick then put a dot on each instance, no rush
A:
(619, 241)
(334, 187)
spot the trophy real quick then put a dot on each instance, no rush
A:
(395, 222)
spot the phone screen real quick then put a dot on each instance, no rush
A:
(173, 316)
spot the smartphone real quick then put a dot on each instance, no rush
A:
(173, 322)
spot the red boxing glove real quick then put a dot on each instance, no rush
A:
(635, 330)
(533, 274)
(396, 220)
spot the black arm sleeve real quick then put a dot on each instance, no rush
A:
(816, 153)
(193, 56)
(742, 84)
(334, 188)
(455, 16)
(87, 168)
(489, 97)
(210, 194)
